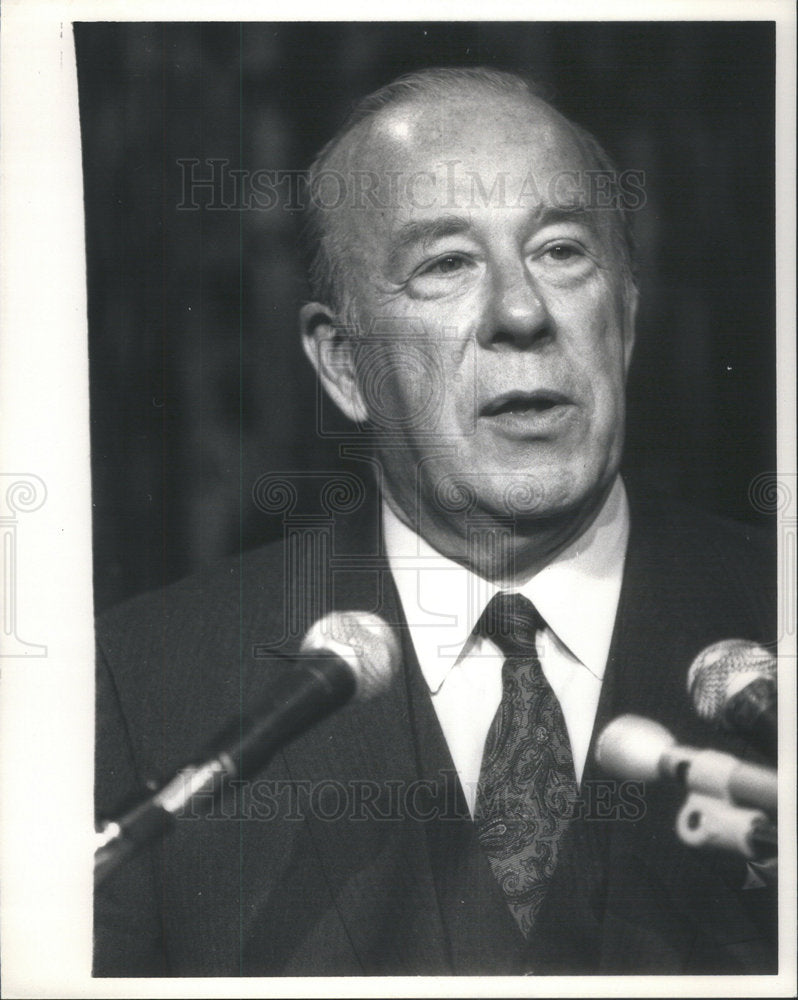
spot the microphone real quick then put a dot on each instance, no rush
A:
(733, 683)
(705, 821)
(638, 749)
(344, 656)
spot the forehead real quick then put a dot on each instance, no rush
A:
(460, 150)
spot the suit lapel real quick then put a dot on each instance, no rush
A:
(646, 888)
(582, 927)
(642, 678)
(360, 774)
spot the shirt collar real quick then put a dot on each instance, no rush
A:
(577, 593)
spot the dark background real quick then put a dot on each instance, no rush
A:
(198, 383)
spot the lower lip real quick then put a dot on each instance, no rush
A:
(531, 423)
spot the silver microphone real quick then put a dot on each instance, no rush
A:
(638, 749)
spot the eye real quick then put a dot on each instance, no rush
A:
(444, 275)
(563, 260)
(449, 264)
(563, 252)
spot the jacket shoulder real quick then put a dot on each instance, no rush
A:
(211, 594)
(175, 663)
(712, 546)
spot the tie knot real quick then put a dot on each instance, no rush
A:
(511, 621)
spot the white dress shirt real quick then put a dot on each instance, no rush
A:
(577, 596)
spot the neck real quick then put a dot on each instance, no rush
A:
(507, 551)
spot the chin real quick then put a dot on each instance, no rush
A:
(537, 492)
(539, 498)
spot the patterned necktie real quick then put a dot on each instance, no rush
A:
(527, 785)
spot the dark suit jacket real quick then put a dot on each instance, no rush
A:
(353, 852)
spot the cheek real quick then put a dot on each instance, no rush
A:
(596, 361)
(590, 326)
(402, 385)
(420, 359)
(608, 385)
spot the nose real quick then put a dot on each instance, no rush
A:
(516, 314)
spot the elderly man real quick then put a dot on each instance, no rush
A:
(475, 318)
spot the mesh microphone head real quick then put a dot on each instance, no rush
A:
(367, 643)
(715, 674)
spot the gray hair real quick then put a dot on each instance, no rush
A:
(327, 274)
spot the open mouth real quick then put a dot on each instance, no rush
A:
(524, 402)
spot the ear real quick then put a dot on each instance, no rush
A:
(329, 348)
(631, 299)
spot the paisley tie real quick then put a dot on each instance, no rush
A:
(527, 785)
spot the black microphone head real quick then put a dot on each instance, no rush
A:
(364, 641)
(721, 670)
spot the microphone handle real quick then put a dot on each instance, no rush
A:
(753, 713)
(711, 772)
(123, 837)
(301, 696)
(314, 688)
(707, 821)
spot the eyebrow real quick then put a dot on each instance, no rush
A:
(427, 230)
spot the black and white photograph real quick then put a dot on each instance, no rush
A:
(441, 545)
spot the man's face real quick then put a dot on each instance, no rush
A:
(495, 332)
